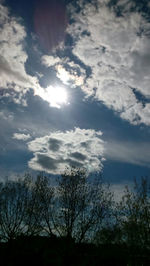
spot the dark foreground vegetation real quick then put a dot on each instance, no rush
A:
(74, 222)
(38, 250)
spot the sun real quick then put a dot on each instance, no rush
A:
(58, 95)
(55, 95)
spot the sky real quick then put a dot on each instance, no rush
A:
(75, 87)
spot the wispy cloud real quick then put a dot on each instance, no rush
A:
(21, 136)
(137, 153)
(79, 147)
(5, 115)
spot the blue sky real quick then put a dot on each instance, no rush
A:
(75, 87)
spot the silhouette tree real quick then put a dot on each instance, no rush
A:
(135, 214)
(76, 208)
(82, 205)
(13, 203)
(34, 208)
(21, 209)
(44, 196)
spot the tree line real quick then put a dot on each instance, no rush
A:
(77, 207)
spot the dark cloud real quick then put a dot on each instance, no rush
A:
(47, 162)
(79, 156)
(73, 163)
(54, 144)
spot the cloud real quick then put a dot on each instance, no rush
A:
(69, 74)
(56, 96)
(137, 153)
(21, 136)
(15, 82)
(12, 54)
(78, 147)
(67, 70)
(5, 115)
(14, 79)
(49, 60)
(116, 48)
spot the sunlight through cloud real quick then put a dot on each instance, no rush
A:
(56, 96)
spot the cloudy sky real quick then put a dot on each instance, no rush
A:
(75, 87)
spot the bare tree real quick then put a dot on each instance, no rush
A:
(13, 202)
(83, 205)
(33, 217)
(75, 208)
(21, 207)
(44, 195)
(135, 214)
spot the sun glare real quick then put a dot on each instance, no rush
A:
(56, 96)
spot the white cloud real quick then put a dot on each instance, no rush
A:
(116, 48)
(49, 60)
(79, 147)
(14, 80)
(21, 136)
